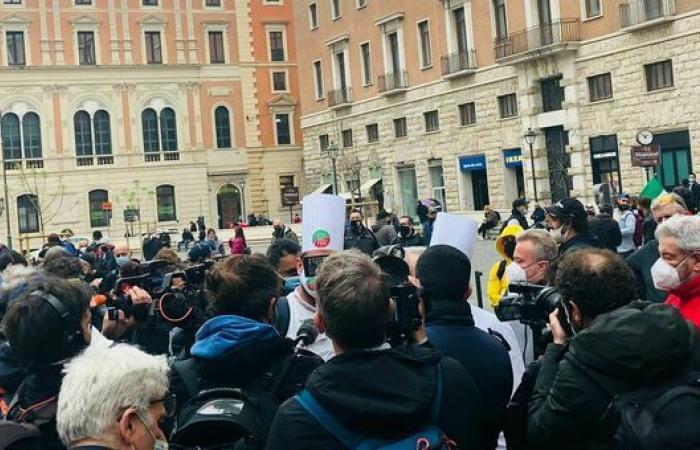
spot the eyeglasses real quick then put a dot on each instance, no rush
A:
(169, 403)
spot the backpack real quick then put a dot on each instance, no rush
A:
(282, 316)
(24, 426)
(662, 416)
(429, 436)
(226, 417)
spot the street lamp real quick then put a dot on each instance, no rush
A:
(530, 140)
(332, 152)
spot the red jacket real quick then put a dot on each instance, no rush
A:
(687, 299)
(237, 245)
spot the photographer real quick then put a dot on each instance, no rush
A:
(238, 348)
(371, 390)
(617, 348)
(444, 273)
(535, 251)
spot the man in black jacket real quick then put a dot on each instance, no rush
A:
(612, 353)
(407, 236)
(358, 236)
(517, 215)
(444, 272)
(568, 224)
(606, 229)
(369, 388)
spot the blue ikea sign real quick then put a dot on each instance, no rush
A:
(513, 158)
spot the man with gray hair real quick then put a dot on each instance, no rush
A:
(663, 208)
(369, 390)
(114, 398)
(535, 251)
(677, 270)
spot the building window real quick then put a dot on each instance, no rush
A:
(593, 8)
(153, 48)
(150, 3)
(341, 80)
(28, 213)
(467, 113)
(165, 203)
(98, 216)
(22, 138)
(103, 135)
(437, 180)
(216, 47)
(284, 135)
(12, 2)
(366, 64)
(15, 48)
(605, 162)
(459, 23)
(372, 133)
(426, 57)
(159, 131)
(313, 16)
(432, 121)
(400, 129)
(83, 134)
(347, 138)
(149, 123)
(213, 2)
(659, 75)
(286, 182)
(323, 142)
(361, 3)
(600, 87)
(86, 48)
(552, 94)
(508, 106)
(394, 52)
(500, 19)
(279, 81)
(335, 9)
(318, 79)
(276, 46)
(83, 2)
(223, 127)
(168, 130)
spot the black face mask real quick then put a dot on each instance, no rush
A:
(405, 231)
(356, 225)
(624, 207)
(279, 231)
(509, 248)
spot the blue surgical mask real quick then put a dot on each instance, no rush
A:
(291, 283)
(122, 260)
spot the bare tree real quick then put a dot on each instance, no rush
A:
(47, 198)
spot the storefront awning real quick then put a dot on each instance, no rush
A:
(369, 185)
(322, 189)
(513, 158)
(471, 163)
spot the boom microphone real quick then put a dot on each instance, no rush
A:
(307, 334)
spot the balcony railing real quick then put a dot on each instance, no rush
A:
(458, 62)
(339, 97)
(558, 32)
(90, 160)
(171, 156)
(19, 164)
(640, 12)
(389, 82)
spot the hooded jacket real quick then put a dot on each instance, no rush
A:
(641, 262)
(383, 394)
(234, 351)
(497, 285)
(687, 299)
(570, 406)
(579, 242)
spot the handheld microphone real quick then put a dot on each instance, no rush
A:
(307, 334)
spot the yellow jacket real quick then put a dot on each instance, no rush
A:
(497, 286)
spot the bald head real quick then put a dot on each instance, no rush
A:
(277, 223)
(122, 249)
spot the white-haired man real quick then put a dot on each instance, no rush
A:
(114, 398)
(677, 269)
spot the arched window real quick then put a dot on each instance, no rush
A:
(83, 134)
(12, 139)
(165, 203)
(28, 213)
(149, 123)
(168, 130)
(31, 130)
(98, 216)
(223, 127)
(103, 133)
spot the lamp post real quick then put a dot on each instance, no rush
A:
(332, 152)
(530, 140)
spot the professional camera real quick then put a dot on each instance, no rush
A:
(121, 301)
(180, 300)
(406, 319)
(531, 304)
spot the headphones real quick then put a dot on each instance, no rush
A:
(73, 339)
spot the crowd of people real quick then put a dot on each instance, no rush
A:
(375, 346)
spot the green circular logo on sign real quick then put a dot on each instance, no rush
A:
(321, 238)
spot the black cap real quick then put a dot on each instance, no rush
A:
(568, 209)
(444, 272)
(518, 202)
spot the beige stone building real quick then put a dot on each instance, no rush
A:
(433, 98)
(177, 108)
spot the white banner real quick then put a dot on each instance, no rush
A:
(323, 227)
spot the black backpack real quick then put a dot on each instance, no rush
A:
(25, 428)
(226, 417)
(662, 416)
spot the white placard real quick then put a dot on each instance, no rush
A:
(323, 227)
(456, 231)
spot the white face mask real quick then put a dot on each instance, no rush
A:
(515, 273)
(665, 276)
(556, 235)
(305, 286)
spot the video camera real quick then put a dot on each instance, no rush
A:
(531, 304)
(406, 319)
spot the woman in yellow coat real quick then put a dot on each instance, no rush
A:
(505, 245)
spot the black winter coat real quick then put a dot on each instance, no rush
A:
(364, 240)
(383, 394)
(607, 230)
(414, 240)
(641, 262)
(568, 407)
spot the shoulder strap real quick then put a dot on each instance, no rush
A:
(501, 269)
(323, 417)
(282, 316)
(437, 400)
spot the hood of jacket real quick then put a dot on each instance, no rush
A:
(510, 230)
(582, 240)
(637, 343)
(222, 335)
(383, 393)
